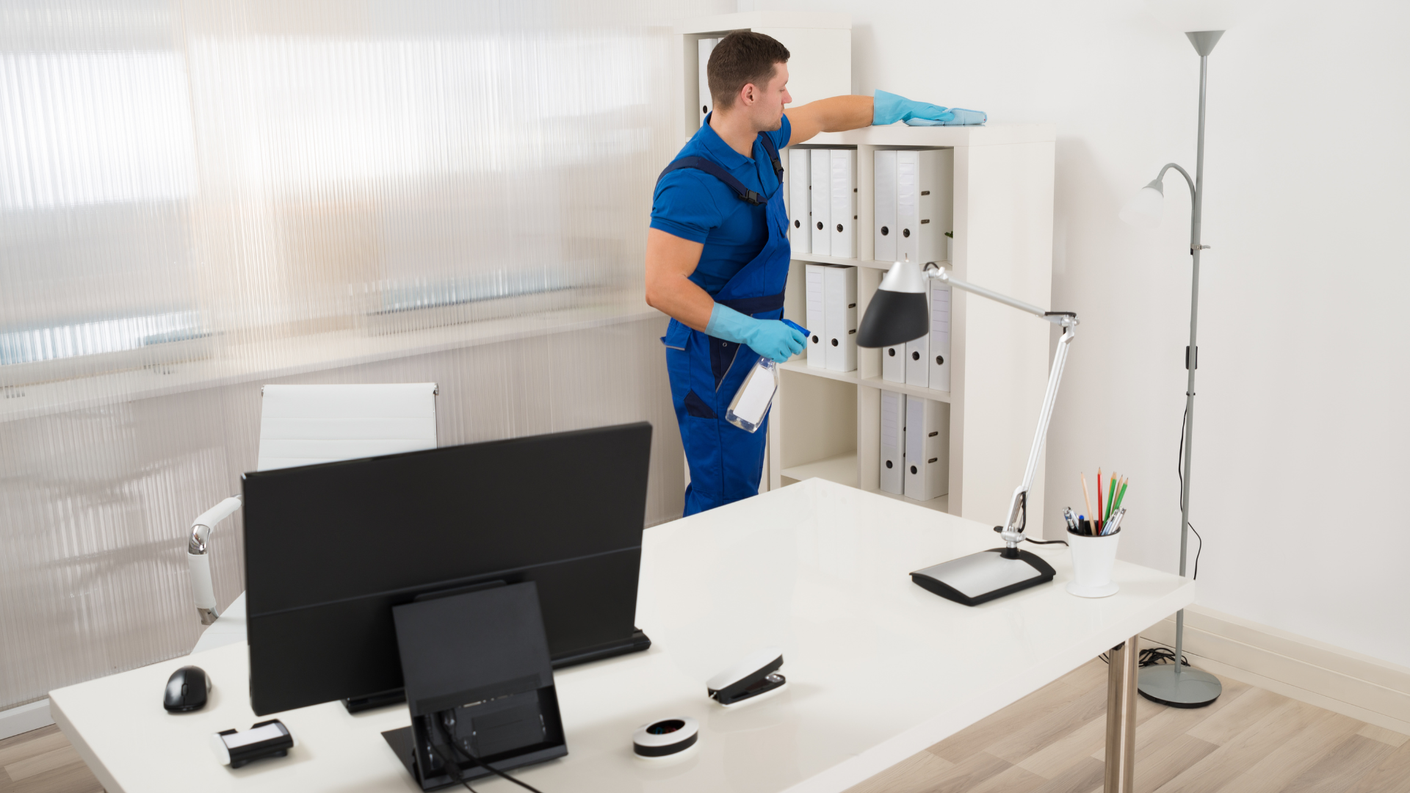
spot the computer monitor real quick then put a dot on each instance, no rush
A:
(331, 548)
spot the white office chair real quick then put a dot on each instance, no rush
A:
(304, 425)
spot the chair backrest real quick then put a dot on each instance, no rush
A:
(308, 424)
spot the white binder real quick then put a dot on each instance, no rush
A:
(840, 307)
(800, 179)
(844, 203)
(816, 314)
(884, 233)
(893, 442)
(893, 363)
(821, 190)
(927, 472)
(706, 46)
(918, 360)
(924, 190)
(940, 295)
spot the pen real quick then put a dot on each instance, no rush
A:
(1071, 521)
(1116, 521)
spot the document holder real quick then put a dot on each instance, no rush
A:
(479, 684)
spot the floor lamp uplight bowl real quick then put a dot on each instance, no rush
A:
(1204, 22)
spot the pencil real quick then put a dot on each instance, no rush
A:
(1099, 499)
(1110, 499)
(1121, 496)
(1087, 497)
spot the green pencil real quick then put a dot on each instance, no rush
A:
(1122, 494)
(1110, 499)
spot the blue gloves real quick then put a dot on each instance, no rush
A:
(888, 108)
(770, 338)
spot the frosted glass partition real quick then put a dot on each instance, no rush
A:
(198, 198)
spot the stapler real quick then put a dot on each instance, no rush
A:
(753, 676)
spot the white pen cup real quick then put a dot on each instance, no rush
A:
(1092, 559)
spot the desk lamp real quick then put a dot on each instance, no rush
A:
(898, 313)
(1203, 22)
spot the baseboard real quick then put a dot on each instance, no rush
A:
(1365, 688)
(24, 718)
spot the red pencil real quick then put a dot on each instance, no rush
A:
(1097, 521)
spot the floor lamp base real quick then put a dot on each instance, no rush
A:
(1190, 688)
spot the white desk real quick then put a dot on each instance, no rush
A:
(878, 668)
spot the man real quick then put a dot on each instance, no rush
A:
(717, 251)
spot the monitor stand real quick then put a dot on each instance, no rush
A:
(638, 642)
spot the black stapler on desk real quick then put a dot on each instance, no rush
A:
(753, 676)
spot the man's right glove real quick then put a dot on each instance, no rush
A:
(888, 108)
(770, 338)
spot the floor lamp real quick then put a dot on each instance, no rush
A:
(1203, 22)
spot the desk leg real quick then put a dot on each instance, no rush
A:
(1121, 718)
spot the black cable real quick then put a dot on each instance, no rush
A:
(477, 761)
(1180, 473)
(450, 764)
(1153, 656)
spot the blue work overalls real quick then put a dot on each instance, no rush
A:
(725, 461)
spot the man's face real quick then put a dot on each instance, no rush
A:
(767, 111)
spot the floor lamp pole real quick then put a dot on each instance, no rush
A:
(1174, 684)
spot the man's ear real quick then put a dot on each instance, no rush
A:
(749, 93)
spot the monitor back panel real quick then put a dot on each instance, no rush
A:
(329, 549)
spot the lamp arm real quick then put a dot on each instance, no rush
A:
(1013, 529)
(201, 586)
(1183, 172)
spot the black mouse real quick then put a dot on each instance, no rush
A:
(186, 690)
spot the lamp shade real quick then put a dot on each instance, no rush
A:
(1144, 208)
(898, 312)
(894, 318)
(1193, 16)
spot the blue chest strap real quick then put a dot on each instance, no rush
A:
(716, 170)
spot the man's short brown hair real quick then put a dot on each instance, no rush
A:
(741, 58)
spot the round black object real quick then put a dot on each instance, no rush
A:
(797, 224)
(666, 737)
(839, 227)
(885, 231)
(906, 232)
(915, 356)
(888, 463)
(815, 338)
(913, 469)
(820, 225)
(891, 352)
(665, 727)
(940, 359)
(834, 342)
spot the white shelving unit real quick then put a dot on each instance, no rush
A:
(826, 423)
(1003, 210)
(819, 45)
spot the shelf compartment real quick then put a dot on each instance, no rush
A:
(905, 388)
(841, 469)
(800, 366)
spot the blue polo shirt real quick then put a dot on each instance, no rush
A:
(696, 206)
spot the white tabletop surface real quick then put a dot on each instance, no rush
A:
(878, 668)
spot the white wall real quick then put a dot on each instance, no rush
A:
(1300, 444)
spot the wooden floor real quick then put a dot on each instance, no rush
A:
(1249, 741)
